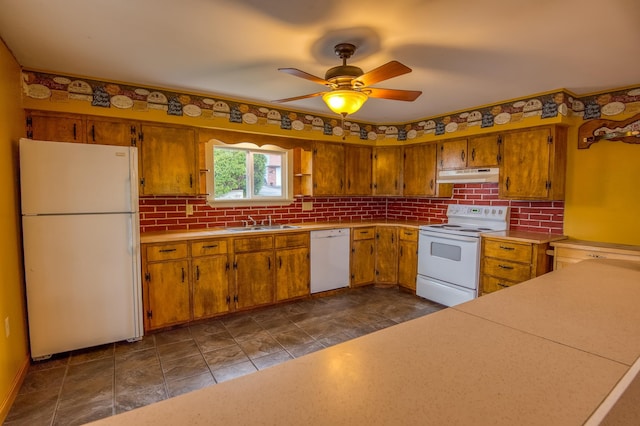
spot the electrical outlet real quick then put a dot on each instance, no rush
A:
(307, 206)
(189, 209)
(7, 327)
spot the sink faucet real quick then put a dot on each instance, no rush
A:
(255, 222)
(267, 219)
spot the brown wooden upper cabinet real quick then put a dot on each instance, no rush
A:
(419, 176)
(59, 127)
(110, 131)
(533, 164)
(358, 165)
(168, 162)
(387, 170)
(328, 168)
(472, 152)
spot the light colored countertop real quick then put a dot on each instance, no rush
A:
(525, 237)
(561, 349)
(169, 236)
(597, 246)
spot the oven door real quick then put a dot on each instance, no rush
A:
(449, 258)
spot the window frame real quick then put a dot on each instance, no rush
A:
(286, 172)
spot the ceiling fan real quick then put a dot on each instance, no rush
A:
(350, 86)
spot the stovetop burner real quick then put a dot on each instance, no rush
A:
(472, 220)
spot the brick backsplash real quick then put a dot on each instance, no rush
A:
(169, 213)
(535, 216)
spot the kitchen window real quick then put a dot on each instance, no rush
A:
(246, 174)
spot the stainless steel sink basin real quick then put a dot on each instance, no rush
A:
(269, 227)
(261, 228)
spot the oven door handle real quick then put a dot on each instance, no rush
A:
(441, 236)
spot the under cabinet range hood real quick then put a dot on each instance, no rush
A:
(488, 174)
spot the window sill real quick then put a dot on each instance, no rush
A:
(250, 203)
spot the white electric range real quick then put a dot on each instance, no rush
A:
(449, 253)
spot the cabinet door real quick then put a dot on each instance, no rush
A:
(387, 171)
(420, 170)
(484, 151)
(328, 169)
(452, 154)
(358, 162)
(210, 286)
(292, 273)
(168, 293)
(386, 255)
(362, 262)
(168, 158)
(407, 264)
(55, 127)
(525, 170)
(254, 278)
(106, 131)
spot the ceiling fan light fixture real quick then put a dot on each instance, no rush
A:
(344, 102)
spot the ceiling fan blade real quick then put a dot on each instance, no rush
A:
(295, 98)
(393, 94)
(383, 72)
(298, 73)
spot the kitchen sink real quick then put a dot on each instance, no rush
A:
(261, 228)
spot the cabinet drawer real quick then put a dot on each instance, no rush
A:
(511, 271)
(408, 234)
(156, 253)
(292, 240)
(363, 233)
(208, 247)
(253, 243)
(579, 254)
(491, 284)
(508, 251)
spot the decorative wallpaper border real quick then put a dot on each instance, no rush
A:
(101, 94)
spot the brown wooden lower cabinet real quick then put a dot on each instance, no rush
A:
(166, 285)
(210, 270)
(254, 271)
(254, 277)
(292, 266)
(201, 278)
(386, 255)
(507, 261)
(407, 258)
(363, 256)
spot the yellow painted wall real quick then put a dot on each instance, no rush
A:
(603, 191)
(13, 350)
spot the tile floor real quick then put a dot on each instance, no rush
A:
(81, 386)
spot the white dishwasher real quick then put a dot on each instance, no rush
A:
(329, 259)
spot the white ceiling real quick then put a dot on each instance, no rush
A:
(463, 53)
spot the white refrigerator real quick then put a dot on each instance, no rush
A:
(81, 242)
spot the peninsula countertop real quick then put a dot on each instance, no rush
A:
(563, 348)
